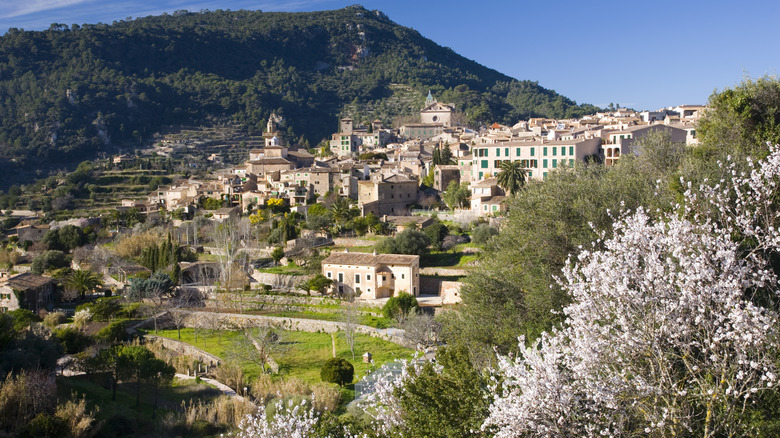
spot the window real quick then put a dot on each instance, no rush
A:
(483, 164)
(480, 175)
(506, 152)
(329, 274)
(341, 277)
(532, 151)
(571, 162)
(368, 277)
(384, 278)
(498, 152)
(571, 150)
(518, 152)
(555, 163)
(497, 164)
(530, 174)
(402, 276)
(544, 163)
(357, 278)
(555, 151)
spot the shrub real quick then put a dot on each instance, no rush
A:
(72, 340)
(75, 414)
(54, 319)
(398, 307)
(45, 426)
(483, 233)
(49, 260)
(436, 232)
(338, 371)
(326, 398)
(113, 333)
(23, 318)
(82, 317)
(104, 309)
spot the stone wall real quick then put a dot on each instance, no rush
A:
(449, 291)
(281, 281)
(443, 271)
(352, 241)
(186, 349)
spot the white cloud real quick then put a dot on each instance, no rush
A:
(16, 8)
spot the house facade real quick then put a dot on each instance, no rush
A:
(390, 196)
(372, 276)
(537, 157)
(27, 291)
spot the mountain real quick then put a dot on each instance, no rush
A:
(68, 93)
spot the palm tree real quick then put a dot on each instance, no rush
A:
(80, 282)
(339, 211)
(511, 177)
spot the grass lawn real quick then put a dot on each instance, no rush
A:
(286, 270)
(306, 353)
(369, 320)
(98, 393)
(446, 259)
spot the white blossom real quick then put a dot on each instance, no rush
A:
(291, 421)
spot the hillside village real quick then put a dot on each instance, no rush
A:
(397, 177)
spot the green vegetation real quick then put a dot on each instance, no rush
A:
(306, 355)
(409, 241)
(399, 307)
(337, 370)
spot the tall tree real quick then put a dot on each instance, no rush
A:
(80, 282)
(511, 177)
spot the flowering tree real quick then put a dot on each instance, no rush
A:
(291, 421)
(672, 328)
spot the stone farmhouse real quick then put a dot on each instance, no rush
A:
(372, 276)
(26, 291)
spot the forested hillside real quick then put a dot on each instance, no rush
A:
(71, 91)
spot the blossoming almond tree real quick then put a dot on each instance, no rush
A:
(291, 421)
(672, 329)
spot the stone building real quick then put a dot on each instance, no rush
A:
(387, 195)
(443, 174)
(27, 291)
(371, 276)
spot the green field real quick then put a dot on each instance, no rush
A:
(98, 395)
(306, 352)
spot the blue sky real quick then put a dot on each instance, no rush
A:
(638, 54)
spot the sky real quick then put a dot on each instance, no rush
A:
(641, 55)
